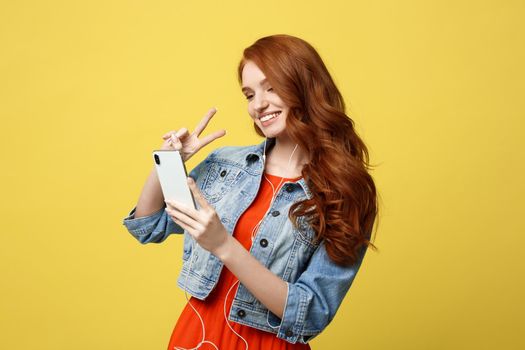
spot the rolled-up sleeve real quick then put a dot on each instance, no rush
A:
(153, 228)
(156, 227)
(314, 299)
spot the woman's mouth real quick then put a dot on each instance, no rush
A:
(266, 120)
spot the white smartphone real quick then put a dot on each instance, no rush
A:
(172, 176)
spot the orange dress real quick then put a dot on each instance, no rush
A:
(187, 333)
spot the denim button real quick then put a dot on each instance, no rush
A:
(289, 188)
(241, 313)
(275, 213)
(263, 243)
(288, 333)
(223, 173)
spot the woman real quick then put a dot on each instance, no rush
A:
(283, 226)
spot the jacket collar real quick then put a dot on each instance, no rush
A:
(256, 152)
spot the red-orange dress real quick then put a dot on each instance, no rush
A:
(188, 330)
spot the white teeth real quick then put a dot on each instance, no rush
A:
(269, 116)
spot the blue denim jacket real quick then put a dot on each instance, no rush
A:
(229, 179)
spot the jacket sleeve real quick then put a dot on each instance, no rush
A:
(314, 298)
(156, 227)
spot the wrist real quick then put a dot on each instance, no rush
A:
(224, 250)
(186, 157)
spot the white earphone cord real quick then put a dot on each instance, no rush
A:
(253, 234)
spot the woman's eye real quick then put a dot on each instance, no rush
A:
(249, 97)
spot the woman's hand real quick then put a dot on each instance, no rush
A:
(189, 144)
(204, 224)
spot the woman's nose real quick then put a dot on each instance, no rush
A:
(260, 103)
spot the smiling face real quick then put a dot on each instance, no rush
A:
(267, 109)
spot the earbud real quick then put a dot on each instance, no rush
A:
(264, 152)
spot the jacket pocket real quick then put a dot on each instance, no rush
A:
(219, 180)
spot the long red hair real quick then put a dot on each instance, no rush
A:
(344, 205)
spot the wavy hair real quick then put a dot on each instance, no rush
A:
(344, 205)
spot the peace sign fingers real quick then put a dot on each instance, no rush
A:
(204, 121)
(209, 138)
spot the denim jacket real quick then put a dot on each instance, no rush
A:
(229, 179)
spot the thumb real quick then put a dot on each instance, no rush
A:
(182, 134)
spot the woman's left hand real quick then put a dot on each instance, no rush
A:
(204, 224)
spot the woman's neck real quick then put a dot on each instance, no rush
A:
(279, 155)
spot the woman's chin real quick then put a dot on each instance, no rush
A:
(272, 132)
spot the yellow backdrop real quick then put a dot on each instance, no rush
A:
(87, 88)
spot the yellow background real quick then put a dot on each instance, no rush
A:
(87, 89)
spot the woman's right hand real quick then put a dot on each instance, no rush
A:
(189, 144)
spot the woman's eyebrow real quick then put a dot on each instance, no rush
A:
(262, 82)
